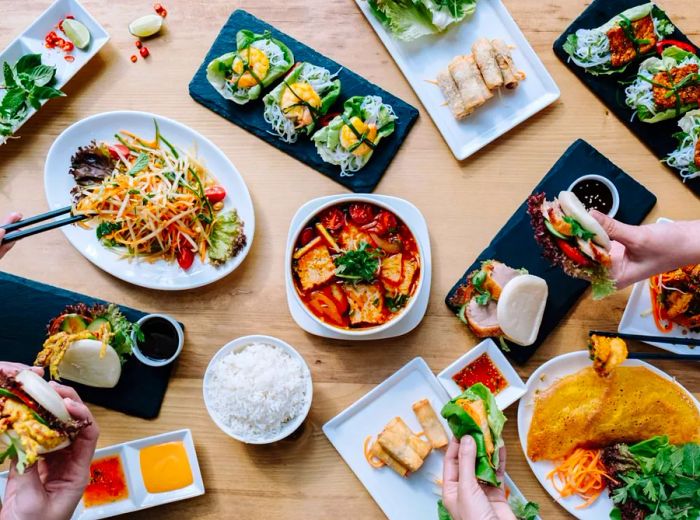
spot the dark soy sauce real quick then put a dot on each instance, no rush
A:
(160, 339)
(594, 195)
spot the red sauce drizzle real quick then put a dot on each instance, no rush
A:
(107, 482)
(481, 370)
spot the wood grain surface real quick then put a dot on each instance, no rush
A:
(465, 205)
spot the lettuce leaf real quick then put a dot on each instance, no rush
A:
(226, 239)
(412, 19)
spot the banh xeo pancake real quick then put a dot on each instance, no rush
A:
(586, 410)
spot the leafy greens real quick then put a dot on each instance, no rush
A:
(412, 19)
(359, 265)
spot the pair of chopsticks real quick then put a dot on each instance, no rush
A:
(14, 230)
(690, 342)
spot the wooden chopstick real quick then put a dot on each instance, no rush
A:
(18, 233)
(668, 355)
(643, 337)
(36, 218)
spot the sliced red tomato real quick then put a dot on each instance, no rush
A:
(386, 222)
(123, 150)
(307, 236)
(326, 308)
(185, 255)
(333, 219)
(361, 213)
(215, 194)
(572, 253)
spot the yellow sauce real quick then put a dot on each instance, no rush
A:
(165, 467)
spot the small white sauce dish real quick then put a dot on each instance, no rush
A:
(146, 360)
(608, 184)
(238, 345)
(511, 393)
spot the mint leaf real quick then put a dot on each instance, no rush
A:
(577, 229)
(140, 163)
(28, 62)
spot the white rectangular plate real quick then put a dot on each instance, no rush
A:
(31, 41)
(421, 61)
(507, 396)
(139, 498)
(400, 498)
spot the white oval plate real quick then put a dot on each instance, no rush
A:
(160, 274)
(542, 378)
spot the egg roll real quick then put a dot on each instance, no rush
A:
(377, 451)
(511, 75)
(430, 423)
(485, 57)
(468, 79)
(421, 447)
(451, 93)
(394, 440)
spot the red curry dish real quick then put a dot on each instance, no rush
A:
(356, 265)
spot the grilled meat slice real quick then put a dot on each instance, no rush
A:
(623, 49)
(665, 98)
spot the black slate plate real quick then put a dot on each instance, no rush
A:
(250, 115)
(26, 307)
(515, 243)
(657, 136)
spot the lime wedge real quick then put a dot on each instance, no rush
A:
(146, 26)
(76, 32)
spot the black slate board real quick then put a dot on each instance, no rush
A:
(515, 243)
(27, 306)
(657, 136)
(250, 115)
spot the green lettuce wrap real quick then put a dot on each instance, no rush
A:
(349, 143)
(590, 48)
(686, 157)
(241, 75)
(295, 105)
(641, 95)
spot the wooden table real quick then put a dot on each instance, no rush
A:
(465, 205)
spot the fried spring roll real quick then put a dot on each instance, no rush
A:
(430, 423)
(397, 444)
(421, 447)
(379, 452)
(451, 93)
(511, 76)
(485, 57)
(468, 79)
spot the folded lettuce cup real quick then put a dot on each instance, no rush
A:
(350, 139)
(686, 157)
(241, 75)
(295, 105)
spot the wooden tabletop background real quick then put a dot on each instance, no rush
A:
(465, 204)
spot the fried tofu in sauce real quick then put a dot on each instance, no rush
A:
(622, 49)
(665, 97)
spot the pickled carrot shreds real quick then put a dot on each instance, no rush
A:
(658, 310)
(582, 474)
(371, 460)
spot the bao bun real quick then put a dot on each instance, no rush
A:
(573, 207)
(82, 363)
(521, 307)
(43, 393)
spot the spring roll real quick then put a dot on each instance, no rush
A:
(432, 427)
(485, 57)
(394, 440)
(468, 79)
(421, 447)
(451, 93)
(377, 451)
(511, 75)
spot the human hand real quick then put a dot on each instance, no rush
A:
(462, 495)
(52, 488)
(9, 219)
(639, 252)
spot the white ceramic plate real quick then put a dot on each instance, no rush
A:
(160, 274)
(421, 61)
(400, 498)
(542, 378)
(31, 41)
(637, 319)
(139, 498)
(238, 345)
(507, 396)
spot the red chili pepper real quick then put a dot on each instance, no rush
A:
(133, 58)
(69, 58)
(60, 25)
(68, 46)
(138, 44)
(215, 194)
(160, 10)
(144, 52)
(60, 42)
(681, 45)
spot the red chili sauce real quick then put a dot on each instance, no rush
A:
(481, 370)
(107, 482)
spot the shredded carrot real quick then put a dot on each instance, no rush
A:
(582, 474)
(658, 310)
(371, 459)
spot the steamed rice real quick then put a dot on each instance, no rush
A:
(255, 392)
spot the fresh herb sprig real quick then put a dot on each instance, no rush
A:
(524, 510)
(359, 265)
(484, 295)
(27, 84)
(577, 229)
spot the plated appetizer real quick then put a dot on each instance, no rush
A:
(686, 157)
(610, 48)
(88, 345)
(572, 239)
(349, 139)
(356, 266)
(295, 105)
(666, 87)
(35, 419)
(148, 199)
(241, 75)
(675, 299)
(498, 301)
(409, 20)
(469, 81)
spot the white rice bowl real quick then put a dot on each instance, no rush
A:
(258, 389)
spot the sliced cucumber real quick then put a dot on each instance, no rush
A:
(553, 231)
(73, 323)
(98, 323)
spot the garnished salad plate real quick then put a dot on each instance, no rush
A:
(164, 207)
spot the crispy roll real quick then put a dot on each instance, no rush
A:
(511, 76)
(485, 57)
(451, 93)
(430, 423)
(379, 452)
(468, 79)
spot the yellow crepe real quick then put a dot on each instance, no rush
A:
(631, 405)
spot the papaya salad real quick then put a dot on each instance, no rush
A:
(150, 200)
